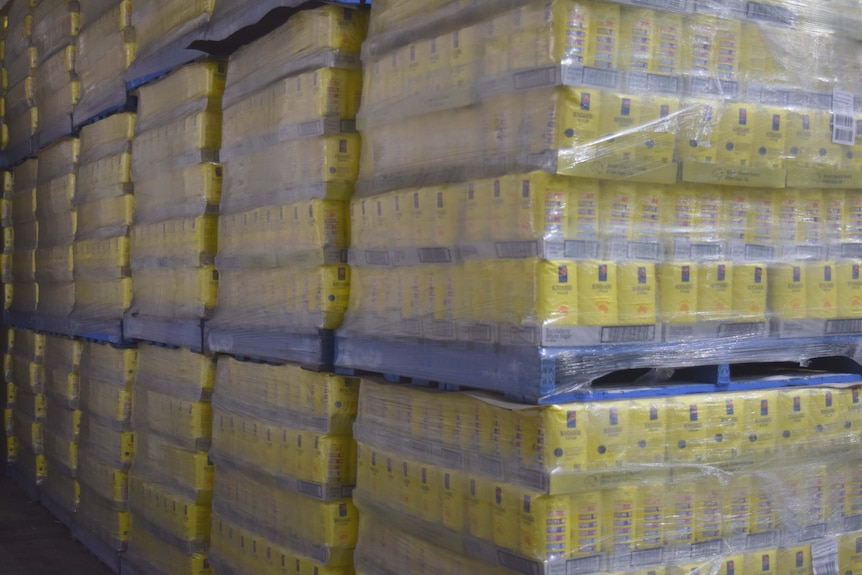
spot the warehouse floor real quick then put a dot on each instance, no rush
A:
(33, 543)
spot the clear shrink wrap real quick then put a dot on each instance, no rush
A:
(283, 452)
(177, 190)
(171, 479)
(105, 208)
(23, 256)
(667, 484)
(291, 156)
(61, 362)
(563, 174)
(149, 551)
(19, 54)
(55, 212)
(162, 28)
(105, 49)
(63, 491)
(107, 377)
(107, 525)
(55, 23)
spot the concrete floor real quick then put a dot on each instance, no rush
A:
(32, 542)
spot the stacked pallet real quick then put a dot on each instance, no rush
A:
(284, 470)
(290, 155)
(177, 181)
(25, 420)
(105, 207)
(461, 483)
(56, 186)
(25, 234)
(106, 447)
(171, 480)
(105, 49)
(555, 177)
(60, 492)
(56, 24)
(19, 65)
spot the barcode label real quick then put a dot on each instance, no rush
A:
(809, 252)
(536, 78)
(642, 251)
(579, 249)
(843, 122)
(706, 549)
(739, 329)
(699, 251)
(647, 557)
(767, 13)
(626, 334)
(755, 252)
(678, 5)
(435, 255)
(824, 557)
(601, 78)
(584, 565)
(377, 257)
(840, 326)
(851, 250)
(510, 250)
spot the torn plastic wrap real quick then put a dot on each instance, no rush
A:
(283, 452)
(290, 155)
(177, 190)
(55, 212)
(556, 178)
(164, 31)
(105, 49)
(656, 485)
(171, 480)
(105, 208)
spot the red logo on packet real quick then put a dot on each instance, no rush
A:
(728, 406)
(653, 412)
(585, 101)
(563, 274)
(764, 407)
(806, 122)
(571, 419)
(686, 274)
(797, 403)
(758, 275)
(776, 122)
(642, 275)
(743, 116)
(692, 412)
(614, 416)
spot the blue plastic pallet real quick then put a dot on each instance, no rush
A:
(130, 104)
(101, 331)
(26, 320)
(188, 333)
(311, 350)
(539, 375)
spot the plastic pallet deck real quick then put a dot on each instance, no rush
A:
(83, 118)
(188, 333)
(101, 331)
(20, 320)
(541, 375)
(58, 512)
(311, 350)
(49, 134)
(54, 325)
(102, 552)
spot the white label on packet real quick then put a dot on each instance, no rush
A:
(843, 120)
(824, 557)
